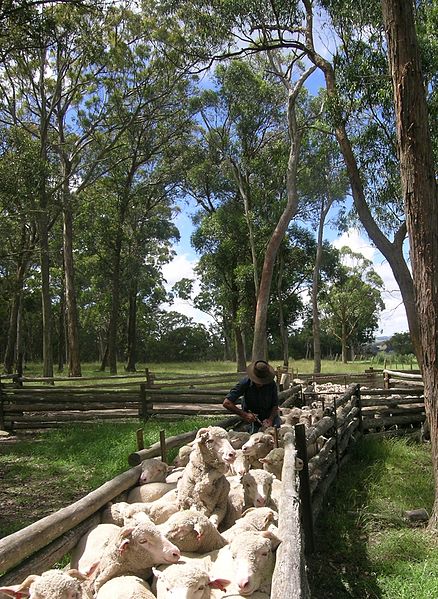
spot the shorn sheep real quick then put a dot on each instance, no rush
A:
(125, 587)
(52, 584)
(203, 486)
(186, 581)
(192, 532)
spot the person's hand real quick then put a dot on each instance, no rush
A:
(249, 417)
(267, 422)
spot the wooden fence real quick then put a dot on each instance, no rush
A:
(35, 403)
(402, 378)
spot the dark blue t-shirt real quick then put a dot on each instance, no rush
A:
(259, 400)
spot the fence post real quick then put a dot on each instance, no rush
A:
(143, 411)
(305, 494)
(359, 405)
(140, 439)
(2, 414)
(335, 420)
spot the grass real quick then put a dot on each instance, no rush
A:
(365, 547)
(175, 368)
(39, 476)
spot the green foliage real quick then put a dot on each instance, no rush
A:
(401, 343)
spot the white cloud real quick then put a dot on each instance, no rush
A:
(393, 317)
(179, 268)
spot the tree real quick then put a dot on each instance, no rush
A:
(420, 192)
(351, 305)
(401, 343)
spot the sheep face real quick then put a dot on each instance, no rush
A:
(147, 539)
(252, 558)
(186, 581)
(214, 445)
(258, 442)
(153, 471)
(257, 487)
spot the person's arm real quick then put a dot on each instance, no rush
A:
(232, 398)
(274, 411)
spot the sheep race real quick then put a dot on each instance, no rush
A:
(210, 525)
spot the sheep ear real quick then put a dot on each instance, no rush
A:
(14, 591)
(124, 546)
(199, 533)
(202, 435)
(250, 509)
(219, 583)
(263, 461)
(92, 568)
(74, 573)
(126, 532)
(275, 540)
(157, 573)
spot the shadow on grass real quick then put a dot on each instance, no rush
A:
(339, 567)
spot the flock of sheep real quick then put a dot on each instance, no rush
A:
(202, 528)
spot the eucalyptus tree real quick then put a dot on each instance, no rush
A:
(351, 305)
(420, 190)
(18, 231)
(323, 183)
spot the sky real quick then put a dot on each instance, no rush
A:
(392, 319)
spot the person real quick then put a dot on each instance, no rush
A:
(259, 394)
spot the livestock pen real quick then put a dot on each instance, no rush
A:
(37, 547)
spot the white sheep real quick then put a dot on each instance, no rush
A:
(153, 470)
(134, 550)
(123, 513)
(186, 581)
(248, 562)
(258, 446)
(52, 584)
(241, 464)
(260, 518)
(90, 546)
(273, 462)
(149, 492)
(182, 459)
(192, 532)
(175, 474)
(125, 587)
(254, 491)
(203, 485)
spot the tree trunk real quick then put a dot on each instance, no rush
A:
(240, 349)
(43, 226)
(281, 323)
(115, 306)
(104, 360)
(392, 251)
(421, 198)
(132, 327)
(260, 347)
(61, 331)
(11, 344)
(315, 284)
(344, 346)
(71, 308)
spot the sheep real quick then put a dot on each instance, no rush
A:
(175, 474)
(153, 470)
(258, 446)
(91, 545)
(273, 462)
(124, 513)
(192, 532)
(186, 581)
(134, 550)
(125, 587)
(260, 518)
(203, 485)
(182, 459)
(240, 465)
(238, 438)
(149, 492)
(52, 584)
(254, 491)
(248, 561)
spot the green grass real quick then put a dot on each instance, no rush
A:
(365, 547)
(39, 476)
